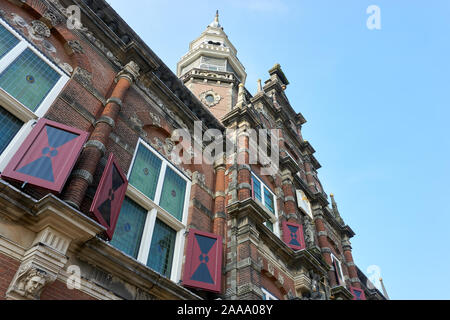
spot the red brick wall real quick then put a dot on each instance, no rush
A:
(8, 268)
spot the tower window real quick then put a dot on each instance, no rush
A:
(210, 98)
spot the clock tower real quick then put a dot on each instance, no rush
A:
(212, 71)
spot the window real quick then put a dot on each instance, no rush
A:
(29, 83)
(338, 270)
(153, 218)
(158, 180)
(262, 194)
(267, 295)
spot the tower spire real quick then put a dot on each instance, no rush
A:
(215, 23)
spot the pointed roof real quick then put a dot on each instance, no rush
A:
(215, 23)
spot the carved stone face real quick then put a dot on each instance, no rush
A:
(34, 285)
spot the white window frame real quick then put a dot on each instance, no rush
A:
(273, 217)
(154, 211)
(269, 296)
(9, 103)
(341, 271)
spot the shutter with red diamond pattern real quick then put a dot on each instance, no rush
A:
(203, 266)
(293, 236)
(110, 196)
(47, 156)
(358, 294)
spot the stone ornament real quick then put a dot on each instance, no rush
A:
(30, 282)
(75, 46)
(40, 29)
(210, 98)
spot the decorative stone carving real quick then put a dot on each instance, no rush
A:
(48, 46)
(130, 71)
(210, 98)
(29, 283)
(75, 47)
(66, 67)
(19, 21)
(83, 76)
(40, 29)
(53, 17)
(309, 234)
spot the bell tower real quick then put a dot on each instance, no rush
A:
(212, 71)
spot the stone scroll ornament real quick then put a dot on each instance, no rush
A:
(110, 196)
(203, 267)
(47, 156)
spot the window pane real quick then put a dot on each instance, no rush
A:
(257, 189)
(29, 79)
(269, 225)
(145, 172)
(173, 194)
(162, 248)
(9, 126)
(268, 198)
(129, 229)
(7, 41)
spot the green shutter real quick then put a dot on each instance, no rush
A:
(173, 194)
(145, 172)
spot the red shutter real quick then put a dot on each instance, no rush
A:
(293, 236)
(47, 156)
(358, 294)
(110, 196)
(203, 266)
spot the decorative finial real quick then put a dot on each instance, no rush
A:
(260, 85)
(215, 23)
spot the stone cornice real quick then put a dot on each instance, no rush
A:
(99, 253)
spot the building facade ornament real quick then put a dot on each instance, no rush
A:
(210, 98)
(29, 283)
(40, 29)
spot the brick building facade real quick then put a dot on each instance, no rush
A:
(95, 205)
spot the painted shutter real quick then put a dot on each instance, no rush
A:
(358, 294)
(47, 156)
(293, 236)
(203, 266)
(110, 196)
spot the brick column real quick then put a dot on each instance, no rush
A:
(353, 273)
(290, 205)
(95, 148)
(325, 245)
(309, 175)
(243, 161)
(219, 201)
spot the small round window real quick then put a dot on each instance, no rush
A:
(210, 99)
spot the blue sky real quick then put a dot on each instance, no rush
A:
(377, 104)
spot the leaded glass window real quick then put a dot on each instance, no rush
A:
(9, 127)
(268, 199)
(173, 194)
(130, 227)
(7, 41)
(257, 189)
(162, 249)
(145, 172)
(29, 79)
